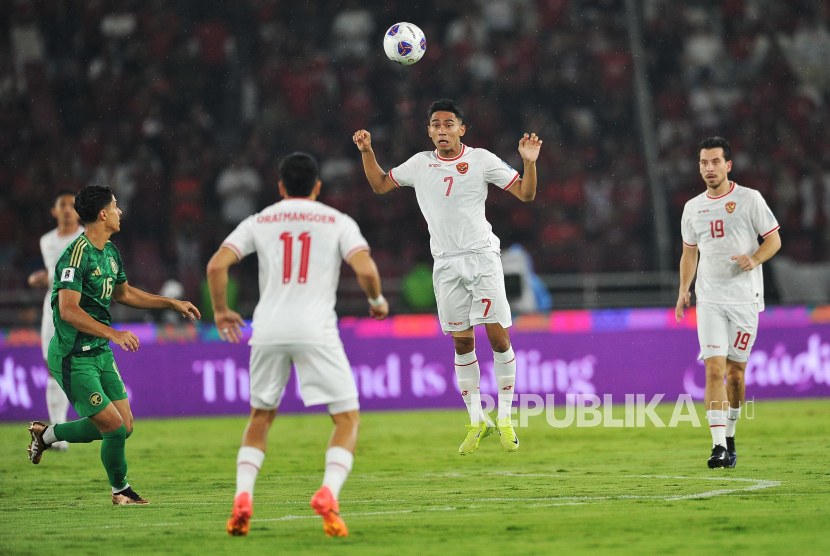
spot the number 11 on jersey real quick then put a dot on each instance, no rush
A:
(287, 242)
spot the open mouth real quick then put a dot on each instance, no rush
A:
(443, 142)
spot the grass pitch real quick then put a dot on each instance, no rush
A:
(598, 490)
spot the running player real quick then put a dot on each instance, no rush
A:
(52, 244)
(299, 243)
(723, 224)
(88, 275)
(451, 187)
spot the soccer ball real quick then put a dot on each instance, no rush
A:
(404, 43)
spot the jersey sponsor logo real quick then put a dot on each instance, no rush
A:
(68, 275)
(113, 265)
(462, 167)
(702, 211)
(730, 207)
(434, 165)
(294, 217)
(95, 399)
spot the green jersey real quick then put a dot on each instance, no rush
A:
(94, 272)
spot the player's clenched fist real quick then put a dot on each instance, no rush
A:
(529, 146)
(685, 298)
(363, 140)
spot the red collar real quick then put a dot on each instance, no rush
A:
(731, 189)
(463, 148)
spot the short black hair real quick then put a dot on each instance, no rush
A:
(91, 200)
(298, 173)
(445, 105)
(714, 143)
(63, 193)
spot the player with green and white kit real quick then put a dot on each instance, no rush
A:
(88, 276)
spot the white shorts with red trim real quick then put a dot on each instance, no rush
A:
(726, 330)
(470, 291)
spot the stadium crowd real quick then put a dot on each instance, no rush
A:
(186, 107)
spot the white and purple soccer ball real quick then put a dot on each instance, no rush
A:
(404, 43)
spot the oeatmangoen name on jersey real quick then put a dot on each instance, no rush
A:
(295, 217)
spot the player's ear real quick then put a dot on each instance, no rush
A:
(54, 212)
(462, 130)
(728, 166)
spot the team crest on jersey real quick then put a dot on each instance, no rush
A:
(113, 265)
(95, 399)
(462, 167)
(730, 207)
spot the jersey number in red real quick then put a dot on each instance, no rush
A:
(488, 302)
(449, 179)
(716, 226)
(742, 341)
(287, 241)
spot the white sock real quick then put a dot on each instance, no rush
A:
(468, 374)
(248, 463)
(49, 435)
(717, 426)
(732, 420)
(505, 369)
(56, 402)
(338, 465)
(122, 489)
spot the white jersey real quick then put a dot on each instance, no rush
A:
(451, 193)
(721, 228)
(300, 244)
(52, 246)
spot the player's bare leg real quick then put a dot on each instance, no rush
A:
(504, 366)
(717, 403)
(248, 463)
(339, 461)
(735, 391)
(468, 374)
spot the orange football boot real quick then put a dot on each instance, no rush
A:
(243, 508)
(328, 508)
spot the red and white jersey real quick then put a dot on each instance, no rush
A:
(451, 193)
(721, 228)
(299, 244)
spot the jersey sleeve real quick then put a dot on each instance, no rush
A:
(763, 220)
(497, 171)
(351, 240)
(687, 231)
(72, 267)
(241, 240)
(121, 277)
(404, 175)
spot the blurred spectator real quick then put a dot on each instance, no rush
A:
(238, 186)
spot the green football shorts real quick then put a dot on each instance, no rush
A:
(90, 381)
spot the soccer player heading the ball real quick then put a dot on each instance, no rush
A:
(451, 187)
(88, 276)
(723, 224)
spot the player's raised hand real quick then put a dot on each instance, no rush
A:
(381, 311)
(229, 324)
(685, 298)
(363, 140)
(126, 339)
(529, 146)
(745, 262)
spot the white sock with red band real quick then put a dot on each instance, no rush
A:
(732, 420)
(468, 374)
(504, 365)
(339, 463)
(248, 463)
(717, 426)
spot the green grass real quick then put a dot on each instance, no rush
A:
(598, 490)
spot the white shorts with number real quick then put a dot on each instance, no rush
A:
(323, 371)
(726, 330)
(470, 291)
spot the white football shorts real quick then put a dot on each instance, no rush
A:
(470, 291)
(726, 330)
(323, 371)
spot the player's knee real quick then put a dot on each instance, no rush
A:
(500, 345)
(734, 375)
(129, 427)
(463, 345)
(262, 416)
(347, 419)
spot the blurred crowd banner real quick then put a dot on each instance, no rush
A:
(405, 362)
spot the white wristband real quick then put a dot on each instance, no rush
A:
(378, 301)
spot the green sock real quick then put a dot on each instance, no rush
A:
(113, 458)
(80, 431)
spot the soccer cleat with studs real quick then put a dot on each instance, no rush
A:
(719, 457)
(128, 497)
(507, 436)
(37, 446)
(243, 509)
(475, 434)
(730, 450)
(327, 507)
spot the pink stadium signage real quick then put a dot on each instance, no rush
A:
(406, 363)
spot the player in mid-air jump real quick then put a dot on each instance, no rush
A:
(300, 244)
(723, 224)
(88, 276)
(451, 187)
(52, 244)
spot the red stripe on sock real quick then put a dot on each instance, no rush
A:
(340, 464)
(247, 463)
(713, 426)
(466, 364)
(507, 362)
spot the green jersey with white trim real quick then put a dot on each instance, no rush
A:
(94, 273)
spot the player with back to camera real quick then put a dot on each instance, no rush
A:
(451, 187)
(52, 244)
(88, 276)
(300, 244)
(723, 224)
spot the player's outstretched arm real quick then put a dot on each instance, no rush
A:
(39, 279)
(525, 188)
(381, 183)
(369, 279)
(127, 295)
(228, 322)
(770, 246)
(688, 266)
(69, 305)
